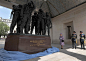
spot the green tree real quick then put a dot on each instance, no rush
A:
(4, 28)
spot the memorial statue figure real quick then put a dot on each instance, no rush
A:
(7, 0)
(48, 22)
(26, 16)
(34, 23)
(16, 17)
(41, 22)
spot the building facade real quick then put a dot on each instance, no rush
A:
(8, 22)
(75, 19)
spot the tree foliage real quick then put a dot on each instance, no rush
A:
(4, 28)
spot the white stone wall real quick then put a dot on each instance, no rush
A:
(78, 18)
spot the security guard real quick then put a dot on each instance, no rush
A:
(82, 38)
(74, 37)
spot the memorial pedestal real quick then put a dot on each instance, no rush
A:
(27, 43)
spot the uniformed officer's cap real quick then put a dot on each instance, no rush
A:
(74, 32)
(81, 32)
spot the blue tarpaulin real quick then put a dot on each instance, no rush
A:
(18, 56)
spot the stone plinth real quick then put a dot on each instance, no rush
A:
(27, 43)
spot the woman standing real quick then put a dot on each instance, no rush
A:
(61, 38)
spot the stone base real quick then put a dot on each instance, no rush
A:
(27, 43)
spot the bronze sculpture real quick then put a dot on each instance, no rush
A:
(34, 23)
(28, 43)
(48, 22)
(22, 17)
(41, 22)
(26, 17)
(16, 17)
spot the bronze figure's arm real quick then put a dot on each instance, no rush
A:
(32, 5)
(11, 14)
(50, 23)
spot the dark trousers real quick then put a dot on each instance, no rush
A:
(39, 27)
(43, 27)
(74, 43)
(48, 26)
(36, 29)
(18, 25)
(25, 23)
(14, 21)
(82, 43)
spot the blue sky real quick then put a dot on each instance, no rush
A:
(5, 12)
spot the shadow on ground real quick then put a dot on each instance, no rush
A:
(78, 56)
(34, 59)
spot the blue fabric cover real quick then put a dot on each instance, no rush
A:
(18, 56)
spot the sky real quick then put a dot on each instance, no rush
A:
(5, 12)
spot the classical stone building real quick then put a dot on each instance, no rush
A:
(8, 22)
(0, 18)
(76, 18)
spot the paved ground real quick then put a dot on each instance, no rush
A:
(66, 54)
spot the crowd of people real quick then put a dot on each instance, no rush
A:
(74, 40)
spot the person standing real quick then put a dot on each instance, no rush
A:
(74, 37)
(61, 38)
(82, 38)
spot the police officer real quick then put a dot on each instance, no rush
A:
(74, 37)
(82, 38)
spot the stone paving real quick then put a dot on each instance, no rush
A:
(66, 54)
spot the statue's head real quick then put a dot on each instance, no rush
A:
(40, 10)
(20, 5)
(35, 13)
(13, 6)
(30, 3)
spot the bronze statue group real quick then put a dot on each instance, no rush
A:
(22, 16)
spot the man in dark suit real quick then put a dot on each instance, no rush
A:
(82, 38)
(74, 37)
